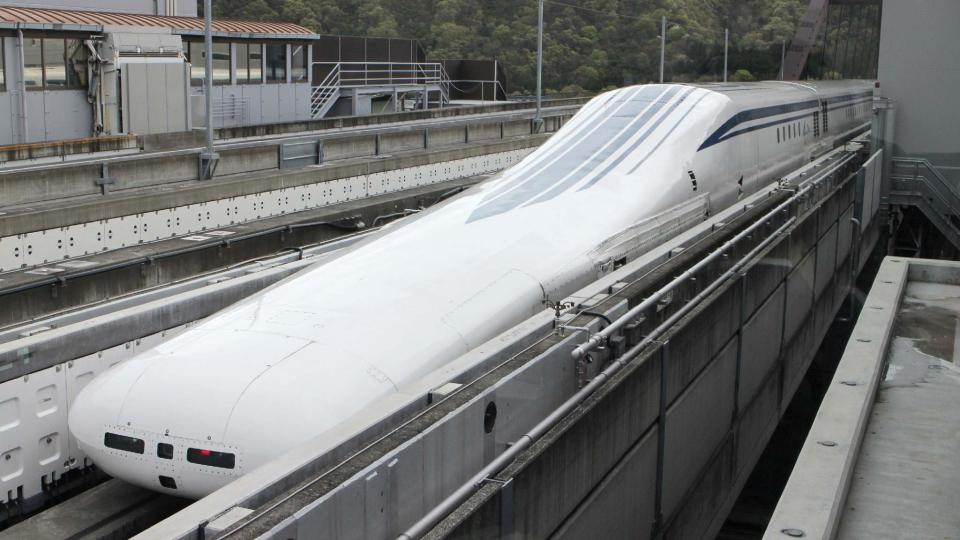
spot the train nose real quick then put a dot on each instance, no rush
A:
(135, 453)
(93, 422)
(159, 419)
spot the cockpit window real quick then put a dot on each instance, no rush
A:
(212, 458)
(123, 442)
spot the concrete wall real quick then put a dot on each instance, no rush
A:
(918, 69)
(183, 8)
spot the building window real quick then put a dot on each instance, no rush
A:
(33, 62)
(54, 64)
(276, 63)
(77, 56)
(3, 73)
(249, 63)
(298, 63)
(221, 62)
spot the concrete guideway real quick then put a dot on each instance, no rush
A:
(527, 372)
(880, 460)
(63, 213)
(35, 292)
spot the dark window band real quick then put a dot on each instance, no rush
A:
(211, 458)
(122, 442)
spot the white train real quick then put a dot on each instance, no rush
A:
(302, 357)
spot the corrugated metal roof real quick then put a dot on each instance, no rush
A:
(73, 17)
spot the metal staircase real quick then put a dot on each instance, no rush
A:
(324, 96)
(425, 78)
(916, 182)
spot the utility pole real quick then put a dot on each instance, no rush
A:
(208, 158)
(726, 47)
(538, 120)
(663, 43)
(783, 56)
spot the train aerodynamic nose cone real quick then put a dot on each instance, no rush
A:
(158, 420)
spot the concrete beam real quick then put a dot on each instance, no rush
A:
(814, 497)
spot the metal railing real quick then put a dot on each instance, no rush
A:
(324, 95)
(460, 86)
(428, 75)
(917, 182)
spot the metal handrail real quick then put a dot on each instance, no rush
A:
(386, 73)
(917, 163)
(324, 92)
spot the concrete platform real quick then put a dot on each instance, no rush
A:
(882, 459)
(906, 483)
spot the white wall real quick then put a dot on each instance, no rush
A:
(251, 104)
(919, 69)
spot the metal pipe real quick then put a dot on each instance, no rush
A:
(208, 66)
(663, 43)
(601, 336)
(449, 504)
(595, 340)
(24, 124)
(538, 121)
(726, 46)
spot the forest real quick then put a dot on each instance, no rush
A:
(589, 45)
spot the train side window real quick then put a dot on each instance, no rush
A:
(122, 442)
(164, 451)
(778, 135)
(211, 458)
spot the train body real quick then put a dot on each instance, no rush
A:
(304, 357)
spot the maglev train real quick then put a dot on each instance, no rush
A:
(301, 358)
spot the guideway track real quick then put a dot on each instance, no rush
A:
(786, 203)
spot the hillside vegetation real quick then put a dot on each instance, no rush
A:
(588, 44)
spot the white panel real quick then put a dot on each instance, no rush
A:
(153, 225)
(232, 209)
(271, 201)
(298, 198)
(377, 183)
(121, 232)
(191, 219)
(83, 239)
(43, 246)
(357, 187)
(79, 372)
(11, 253)
(33, 432)
(114, 355)
(218, 213)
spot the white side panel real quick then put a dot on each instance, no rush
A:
(11, 253)
(33, 432)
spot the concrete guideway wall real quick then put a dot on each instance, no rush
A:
(728, 370)
(110, 223)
